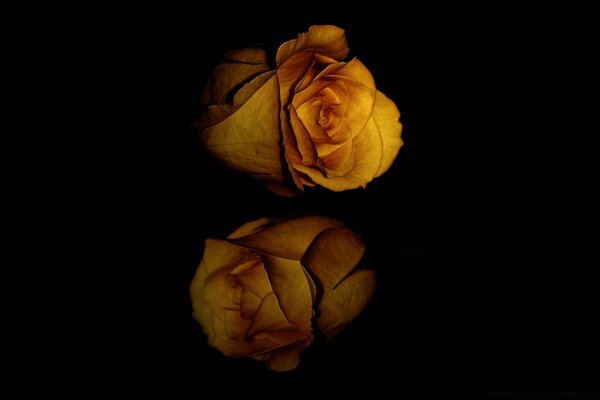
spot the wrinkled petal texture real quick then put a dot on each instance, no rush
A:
(248, 140)
(332, 259)
(239, 67)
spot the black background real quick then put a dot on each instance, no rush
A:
(480, 285)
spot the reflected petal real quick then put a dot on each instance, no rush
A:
(287, 238)
(292, 290)
(287, 358)
(202, 311)
(269, 317)
(331, 258)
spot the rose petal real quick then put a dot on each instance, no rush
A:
(303, 139)
(331, 258)
(202, 311)
(312, 286)
(387, 119)
(306, 180)
(339, 162)
(307, 79)
(249, 140)
(292, 290)
(368, 155)
(320, 66)
(323, 115)
(327, 40)
(227, 76)
(313, 90)
(358, 113)
(287, 238)
(249, 228)
(341, 306)
(260, 344)
(333, 255)
(212, 284)
(269, 317)
(221, 253)
(249, 304)
(289, 75)
(357, 71)
(308, 114)
(287, 358)
(254, 279)
(218, 288)
(248, 90)
(235, 326)
(237, 348)
(214, 115)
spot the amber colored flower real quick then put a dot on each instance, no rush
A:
(315, 118)
(256, 292)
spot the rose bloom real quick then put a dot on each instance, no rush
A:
(315, 120)
(256, 292)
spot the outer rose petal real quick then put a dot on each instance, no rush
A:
(292, 289)
(220, 253)
(215, 114)
(331, 258)
(287, 358)
(249, 140)
(288, 76)
(214, 327)
(248, 90)
(249, 228)
(368, 155)
(202, 311)
(287, 238)
(245, 64)
(327, 40)
(387, 119)
(269, 317)
(237, 348)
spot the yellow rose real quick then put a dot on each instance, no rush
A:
(315, 118)
(255, 292)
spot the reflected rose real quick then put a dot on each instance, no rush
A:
(255, 293)
(314, 120)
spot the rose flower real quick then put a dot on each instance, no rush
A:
(255, 293)
(315, 120)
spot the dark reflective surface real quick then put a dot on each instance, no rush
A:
(478, 287)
